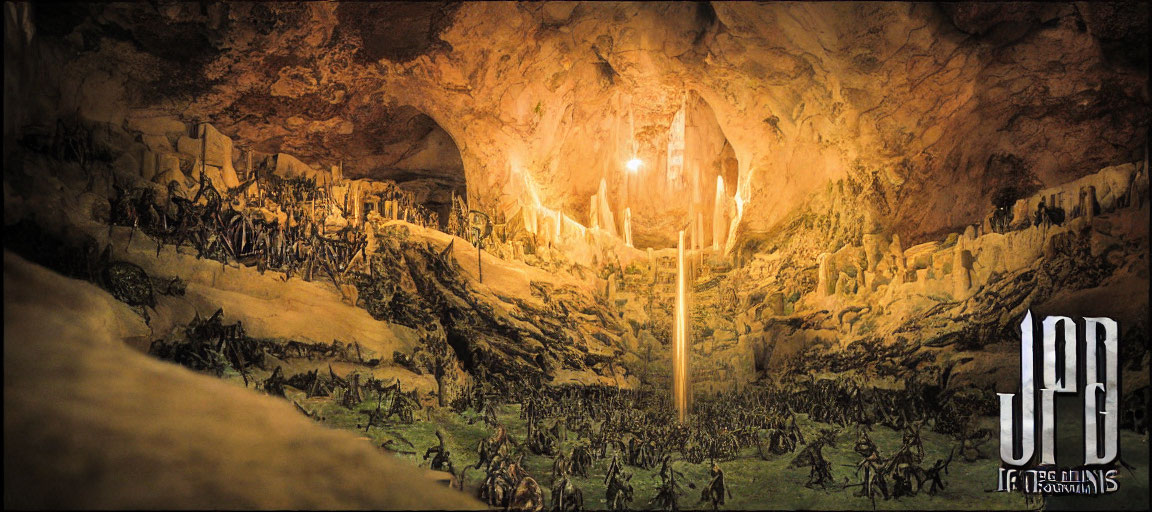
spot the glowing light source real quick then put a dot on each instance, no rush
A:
(634, 164)
(680, 334)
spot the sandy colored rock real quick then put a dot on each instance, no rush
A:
(78, 403)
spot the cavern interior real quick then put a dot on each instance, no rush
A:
(564, 256)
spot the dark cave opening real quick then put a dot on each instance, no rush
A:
(459, 345)
(408, 147)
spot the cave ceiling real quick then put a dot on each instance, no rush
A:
(910, 105)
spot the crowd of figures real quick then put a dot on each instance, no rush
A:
(209, 345)
(287, 233)
(631, 429)
(578, 428)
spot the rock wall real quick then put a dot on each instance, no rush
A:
(964, 262)
(920, 103)
(965, 292)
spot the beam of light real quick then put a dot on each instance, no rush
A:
(680, 355)
(634, 164)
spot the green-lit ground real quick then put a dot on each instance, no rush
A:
(754, 483)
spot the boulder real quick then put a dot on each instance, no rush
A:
(148, 165)
(186, 145)
(168, 170)
(845, 285)
(920, 256)
(775, 303)
(1111, 184)
(217, 146)
(157, 143)
(288, 166)
(970, 232)
(874, 249)
(128, 163)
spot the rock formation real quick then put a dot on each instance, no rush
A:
(483, 198)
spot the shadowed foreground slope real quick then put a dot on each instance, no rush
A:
(91, 423)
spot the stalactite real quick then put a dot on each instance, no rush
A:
(628, 227)
(718, 215)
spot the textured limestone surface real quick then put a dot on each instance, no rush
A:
(858, 186)
(912, 104)
(90, 423)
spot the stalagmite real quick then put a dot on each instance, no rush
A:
(1088, 202)
(873, 249)
(824, 284)
(559, 232)
(698, 240)
(605, 220)
(370, 242)
(961, 270)
(593, 212)
(896, 249)
(203, 136)
(628, 227)
(356, 204)
(718, 216)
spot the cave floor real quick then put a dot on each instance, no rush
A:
(754, 483)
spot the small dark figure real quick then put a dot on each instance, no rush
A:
(716, 488)
(1001, 219)
(274, 385)
(126, 281)
(565, 494)
(559, 466)
(1041, 215)
(933, 474)
(352, 396)
(619, 492)
(580, 460)
(873, 475)
(667, 494)
(813, 456)
(613, 469)
(441, 461)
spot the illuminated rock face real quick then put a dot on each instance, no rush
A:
(913, 105)
(837, 164)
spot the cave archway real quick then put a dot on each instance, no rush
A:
(405, 145)
(690, 159)
(710, 155)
